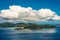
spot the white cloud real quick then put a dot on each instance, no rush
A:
(28, 14)
(46, 13)
(56, 17)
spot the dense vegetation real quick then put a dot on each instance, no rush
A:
(32, 26)
(7, 24)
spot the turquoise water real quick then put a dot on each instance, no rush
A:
(11, 34)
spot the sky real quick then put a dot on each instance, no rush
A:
(51, 5)
(35, 4)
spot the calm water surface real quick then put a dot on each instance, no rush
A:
(11, 34)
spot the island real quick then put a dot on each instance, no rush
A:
(27, 26)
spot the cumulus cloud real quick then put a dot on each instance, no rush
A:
(28, 14)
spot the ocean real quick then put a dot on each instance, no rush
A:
(11, 34)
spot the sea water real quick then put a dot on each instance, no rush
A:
(44, 34)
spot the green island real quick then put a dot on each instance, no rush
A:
(30, 26)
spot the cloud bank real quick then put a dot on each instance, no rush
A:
(18, 13)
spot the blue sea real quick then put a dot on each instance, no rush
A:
(45, 34)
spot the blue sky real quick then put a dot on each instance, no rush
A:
(35, 4)
(54, 5)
